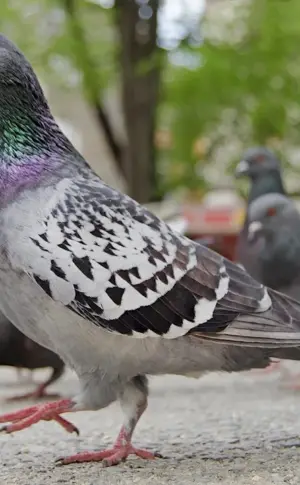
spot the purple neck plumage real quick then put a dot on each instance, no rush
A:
(33, 150)
(14, 178)
(32, 156)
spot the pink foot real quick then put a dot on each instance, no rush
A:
(110, 457)
(27, 417)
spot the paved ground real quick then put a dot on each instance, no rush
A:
(221, 429)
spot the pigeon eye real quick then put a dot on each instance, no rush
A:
(271, 211)
(260, 158)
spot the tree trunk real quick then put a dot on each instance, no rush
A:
(90, 82)
(140, 75)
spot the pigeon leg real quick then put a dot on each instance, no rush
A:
(134, 402)
(27, 417)
(40, 392)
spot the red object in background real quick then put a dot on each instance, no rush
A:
(223, 244)
(219, 216)
(221, 224)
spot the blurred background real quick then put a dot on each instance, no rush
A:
(163, 96)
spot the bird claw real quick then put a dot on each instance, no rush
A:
(46, 412)
(67, 425)
(159, 455)
(59, 461)
(110, 457)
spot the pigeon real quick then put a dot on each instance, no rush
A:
(263, 169)
(107, 285)
(17, 350)
(275, 219)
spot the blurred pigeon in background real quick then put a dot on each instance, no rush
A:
(17, 350)
(262, 167)
(275, 219)
(107, 284)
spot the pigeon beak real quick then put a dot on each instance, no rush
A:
(242, 169)
(253, 229)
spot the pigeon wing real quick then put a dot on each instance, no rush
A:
(115, 264)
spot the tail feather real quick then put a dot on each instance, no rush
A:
(278, 327)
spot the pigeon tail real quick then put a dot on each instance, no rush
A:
(277, 327)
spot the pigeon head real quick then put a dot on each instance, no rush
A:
(257, 161)
(32, 145)
(18, 77)
(27, 127)
(267, 214)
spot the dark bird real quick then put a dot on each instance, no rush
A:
(275, 220)
(92, 275)
(19, 351)
(262, 168)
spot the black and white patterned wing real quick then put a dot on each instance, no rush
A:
(120, 267)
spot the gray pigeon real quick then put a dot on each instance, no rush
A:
(275, 219)
(17, 350)
(106, 284)
(263, 169)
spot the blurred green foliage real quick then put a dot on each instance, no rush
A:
(72, 51)
(241, 83)
(253, 70)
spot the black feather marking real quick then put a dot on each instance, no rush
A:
(36, 242)
(115, 220)
(162, 276)
(151, 283)
(64, 245)
(111, 232)
(44, 284)
(109, 249)
(152, 260)
(94, 305)
(124, 274)
(158, 255)
(148, 241)
(97, 233)
(112, 280)
(119, 243)
(103, 264)
(161, 316)
(169, 271)
(78, 224)
(135, 272)
(117, 326)
(84, 265)
(57, 270)
(77, 236)
(141, 288)
(115, 294)
(44, 237)
(182, 301)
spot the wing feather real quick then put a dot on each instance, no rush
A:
(117, 265)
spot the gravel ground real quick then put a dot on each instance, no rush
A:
(229, 429)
